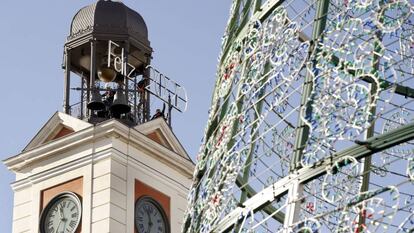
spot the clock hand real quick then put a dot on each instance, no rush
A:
(62, 218)
(57, 229)
(61, 213)
(64, 225)
(149, 222)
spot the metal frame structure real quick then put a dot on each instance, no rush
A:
(310, 124)
(108, 48)
(166, 90)
(88, 83)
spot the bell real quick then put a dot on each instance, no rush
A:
(106, 71)
(106, 74)
(120, 104)
(96, 101)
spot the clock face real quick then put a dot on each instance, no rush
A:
(62, 214)
(149, 217)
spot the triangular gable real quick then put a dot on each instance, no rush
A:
(59, 125)
(60, 133)
(159, 138)
(159, 131)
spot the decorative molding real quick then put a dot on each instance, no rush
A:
(169, 135)
(56, 122)
(108, 129)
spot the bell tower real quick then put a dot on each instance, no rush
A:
(103, 164)
(109, 52)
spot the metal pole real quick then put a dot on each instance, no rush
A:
(146, 94)
(371, 130)
(125, 73)
(295, 193)
(231, 30)
(92, 71)
(169, 110)
(87, 90)
(66, 101)
(293, 208)
(246, 170)
(93, 64)
(82, 98)
(302, 134)
(136, 116)
(254, 134)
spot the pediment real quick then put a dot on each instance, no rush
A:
(59, 125)
(159, 131)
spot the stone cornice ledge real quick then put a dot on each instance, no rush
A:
(61, 169)
(108, 129)
(147, 145)
(46, 150)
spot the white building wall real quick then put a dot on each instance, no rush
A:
(109, 197)
(27, 200)
(109, 165)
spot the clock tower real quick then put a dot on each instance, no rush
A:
(104, 164)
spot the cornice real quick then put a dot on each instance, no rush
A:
(109, 129)
(58, 120)
(126, 160)
(59, 170)
(90, 159)
(159, 123)
(140, 141)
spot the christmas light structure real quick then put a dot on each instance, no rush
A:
(311, 122)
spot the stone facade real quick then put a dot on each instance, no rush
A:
(109, 158)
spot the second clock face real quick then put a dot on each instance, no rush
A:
(149, 217)
(62, 214)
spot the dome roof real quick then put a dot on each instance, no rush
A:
(109, 18)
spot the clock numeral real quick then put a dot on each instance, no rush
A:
(72, 224)
(141, 227)
(74, 215)
(149, 209)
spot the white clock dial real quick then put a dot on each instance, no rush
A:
(149, 217)
(62, 214)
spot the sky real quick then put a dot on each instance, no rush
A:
(185, 35)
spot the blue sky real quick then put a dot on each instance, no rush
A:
(184, 34)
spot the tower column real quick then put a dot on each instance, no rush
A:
(66, 97)
(125, 68)
(93, 64)
(91, 85)
(146, 107)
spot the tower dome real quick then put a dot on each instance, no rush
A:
(110, 19)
